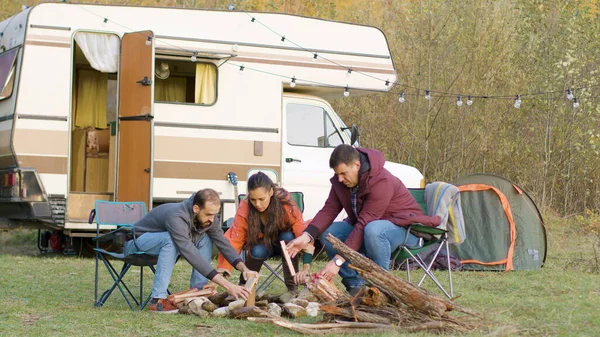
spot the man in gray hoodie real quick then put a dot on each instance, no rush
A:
(187, 228)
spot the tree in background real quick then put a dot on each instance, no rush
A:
(476, 48)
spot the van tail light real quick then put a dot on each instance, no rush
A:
(12, 179)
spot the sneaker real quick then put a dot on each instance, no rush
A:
(163, 306)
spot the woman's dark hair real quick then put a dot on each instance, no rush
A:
(277, 218)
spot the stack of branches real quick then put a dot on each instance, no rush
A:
(391, 300)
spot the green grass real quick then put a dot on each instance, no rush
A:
(52, 295)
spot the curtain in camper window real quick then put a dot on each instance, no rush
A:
(101, 50)
(206, 77)
(172, 89)
(7, 70)
(91, 99)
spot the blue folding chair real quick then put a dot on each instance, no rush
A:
(121, 216)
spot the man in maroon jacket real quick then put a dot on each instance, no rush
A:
(378, 206)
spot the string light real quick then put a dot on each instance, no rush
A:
(569, 92)
(241, 72)
(570, 95)
(401, 98)
(459, 101)
(293, 82)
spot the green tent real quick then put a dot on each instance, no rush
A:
(504, 228)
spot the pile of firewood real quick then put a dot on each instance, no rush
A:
(388, 304)
(204, 303)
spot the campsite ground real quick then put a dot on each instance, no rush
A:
(52, 295)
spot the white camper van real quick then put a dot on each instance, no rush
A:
(151, 104)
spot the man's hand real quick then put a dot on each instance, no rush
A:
(211, 285)
(233, 289)
(238, 291)
(303, 275)
(330, 270)
(298, 244)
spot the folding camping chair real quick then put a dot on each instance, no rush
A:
(432, 236)
(298, 198)
(120, 216)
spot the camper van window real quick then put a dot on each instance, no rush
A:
(309, 125)
(7, 72)
(185, 82)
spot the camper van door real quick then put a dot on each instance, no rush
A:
(310, 134)
(136, 87)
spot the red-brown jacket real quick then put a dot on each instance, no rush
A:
(380, 196)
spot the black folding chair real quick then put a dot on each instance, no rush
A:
(121, 216)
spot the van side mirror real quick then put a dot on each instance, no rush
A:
(354, 134)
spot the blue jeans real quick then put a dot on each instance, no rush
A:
(381, 238)
(261, 251)
(162, 245)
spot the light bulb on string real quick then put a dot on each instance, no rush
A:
(387, 83)
(282, 40)
(349, 72)
(575, 102)
(315, 57)
(518, 102)
(570, 95)
(293, 82)
(149, 41)
(469, 100)
(194, 56)
(427, 95)
(459, 101)
(401, 98)
(346, 92)
(241, 72)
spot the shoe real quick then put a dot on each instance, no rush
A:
(163, 306)
(353, 290)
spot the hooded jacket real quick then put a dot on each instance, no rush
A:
(380, 196)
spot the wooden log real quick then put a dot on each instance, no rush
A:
(287, 258)
(394, 287)
(251, 285)
(219, 298)
(359, 315)
(374, 298)
(172, 296)
(177, 297)
(324, 290)
(245, 312)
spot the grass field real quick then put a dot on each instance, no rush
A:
(52, 295)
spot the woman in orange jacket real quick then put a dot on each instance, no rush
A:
(265, 217)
